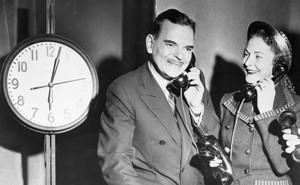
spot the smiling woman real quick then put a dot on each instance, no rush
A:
(250, 129)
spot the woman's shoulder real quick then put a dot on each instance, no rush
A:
(232, 96)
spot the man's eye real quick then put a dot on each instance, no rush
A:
(170, 44)
(245, 54)
(189, 49)
(258, 57)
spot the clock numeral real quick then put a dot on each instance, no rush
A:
(22, 66)
(80, 71)
(79, 103)
(67, 113)
(35, 109)
(15, 83)
(50, 51)
(34, 55)
(50, 117)
(20, 101)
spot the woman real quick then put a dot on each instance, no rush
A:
(250, 130)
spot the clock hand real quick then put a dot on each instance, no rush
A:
(58, 83)
(56, 62)
(50, 97)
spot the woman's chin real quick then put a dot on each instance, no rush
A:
(251, 81)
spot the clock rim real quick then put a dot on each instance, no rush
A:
(4, 90)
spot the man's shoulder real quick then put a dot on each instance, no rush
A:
(129, 78)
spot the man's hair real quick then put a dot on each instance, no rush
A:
(174, 16)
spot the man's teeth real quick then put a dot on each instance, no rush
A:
(179, 64)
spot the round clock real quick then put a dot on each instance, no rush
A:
(49, 83)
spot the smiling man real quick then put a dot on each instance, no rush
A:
(143, 139)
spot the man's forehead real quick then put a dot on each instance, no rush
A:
(177, 33)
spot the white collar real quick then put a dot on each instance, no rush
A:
(160, 80)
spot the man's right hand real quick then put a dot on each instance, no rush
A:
(291, 140)
(215, 162)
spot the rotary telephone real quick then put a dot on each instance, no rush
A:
(209, 148)
(248, 91)
(181, 82)
(287, 119)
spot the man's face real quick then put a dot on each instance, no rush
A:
(258, 60)
(172, 49)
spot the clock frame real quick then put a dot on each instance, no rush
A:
(49, 84)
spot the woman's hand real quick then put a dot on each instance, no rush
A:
(265, 95)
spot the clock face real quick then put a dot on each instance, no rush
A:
(49, 84)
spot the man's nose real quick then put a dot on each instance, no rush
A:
(178, 54)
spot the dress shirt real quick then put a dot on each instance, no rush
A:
(163, 84)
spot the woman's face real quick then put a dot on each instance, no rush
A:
(258, 60)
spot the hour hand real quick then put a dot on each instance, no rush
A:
(50, 97)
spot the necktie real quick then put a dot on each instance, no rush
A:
(171, 101)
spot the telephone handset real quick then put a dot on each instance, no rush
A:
(248, 92)
(181, 82)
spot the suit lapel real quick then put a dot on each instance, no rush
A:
(155, 99)
(184, 121)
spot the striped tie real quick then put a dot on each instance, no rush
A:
(171, 101)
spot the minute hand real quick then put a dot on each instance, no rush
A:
(57, 60)
(50, 94)
(58, 83)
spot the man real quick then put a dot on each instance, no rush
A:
(142, 142)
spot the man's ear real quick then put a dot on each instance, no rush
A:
(149, 43)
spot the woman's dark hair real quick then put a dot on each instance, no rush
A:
(173, 16)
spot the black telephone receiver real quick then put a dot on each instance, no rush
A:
(248, 92)
(181, 82)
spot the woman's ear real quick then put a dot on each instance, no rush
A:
(149, 43)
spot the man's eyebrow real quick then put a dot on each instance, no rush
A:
(173, 42)
(169, 41)
(190, 46)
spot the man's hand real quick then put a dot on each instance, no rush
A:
(194, 93)
(215, 162)
(291, 140)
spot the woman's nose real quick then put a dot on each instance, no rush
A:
(248, 61)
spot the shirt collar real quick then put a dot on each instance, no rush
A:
(160, 80)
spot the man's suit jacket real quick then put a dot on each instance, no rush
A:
(141, 142)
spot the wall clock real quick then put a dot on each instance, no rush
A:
(49, 83)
